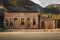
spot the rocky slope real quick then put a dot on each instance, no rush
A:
(56, 6)
(53, 8)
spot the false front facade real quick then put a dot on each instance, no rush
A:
(49, 21)
(21, 20)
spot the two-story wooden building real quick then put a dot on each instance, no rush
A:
(47, 22)
(50, 21)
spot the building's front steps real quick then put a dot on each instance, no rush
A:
(32, 30)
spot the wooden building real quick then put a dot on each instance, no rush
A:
(29, 19)
(49, 21)
(46, 22)
(22, 20)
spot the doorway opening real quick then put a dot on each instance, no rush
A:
(28, 23)
(58, 23)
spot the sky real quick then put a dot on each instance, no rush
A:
(44, 3)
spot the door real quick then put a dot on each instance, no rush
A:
(49, 24)
(7, 22)
(42, 24)
(58, 23)
(15, 23)
(28, 23)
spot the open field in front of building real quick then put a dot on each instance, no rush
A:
(29, 36)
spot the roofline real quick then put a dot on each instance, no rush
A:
(22, 11)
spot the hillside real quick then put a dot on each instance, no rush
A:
(18, 5)
(56, 6)
(53, 8)
(1, 2)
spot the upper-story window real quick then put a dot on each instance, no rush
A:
(44, 15)
(47, 15)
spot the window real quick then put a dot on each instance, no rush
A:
(7, 22)
(34, 21)
(11, 22)
(22, 21)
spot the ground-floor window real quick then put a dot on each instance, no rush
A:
(22, 21)
(7, 22)
(34, 21)
(11, 21)
(48, 24)
(58, 23)
(15, 22)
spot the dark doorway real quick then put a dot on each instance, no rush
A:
(34, 21)
(7, 22)
(11, 22)
(38, 21)
(28, 23)
(15, 23)
(58, 23)
(42, 24)
(1, 18)
(1, 22)
(22, 21)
